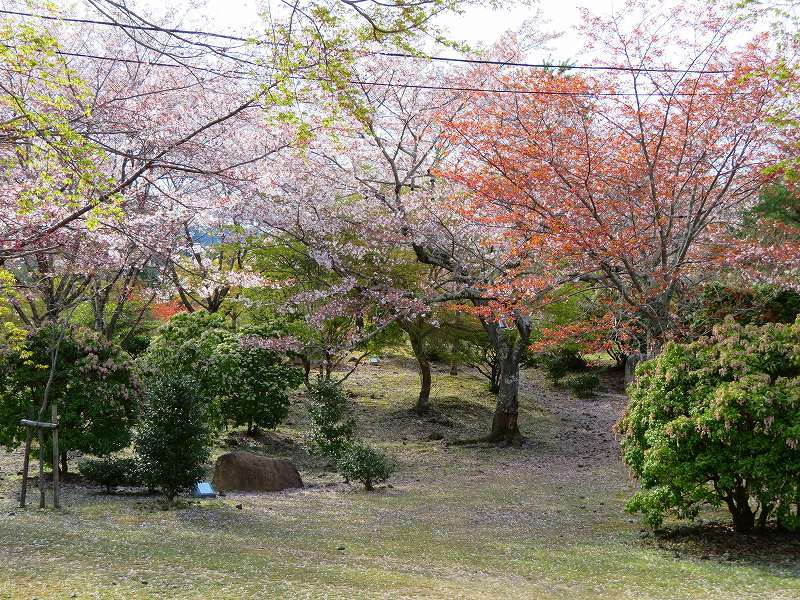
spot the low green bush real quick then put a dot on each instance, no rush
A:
(111, 472)
(363, 463)
(717, 422)
(333, 435)
(583, 385)
(559, 361)
(332, 426)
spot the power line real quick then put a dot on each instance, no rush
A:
(118, 59)
(123, 25)
(566, 67)
(418, 86)
(476, 61)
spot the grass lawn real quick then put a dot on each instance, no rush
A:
(542, 521)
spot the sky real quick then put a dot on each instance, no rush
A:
(482, 25)
(477, 26)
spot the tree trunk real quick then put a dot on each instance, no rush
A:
(766, 509)
(494, 385)
(744, 519)
(505, 426)
(657, 321)
(64, 463)
(509, 350)
(631, 361)
(306, 369)
(454, 350)
(418, 346)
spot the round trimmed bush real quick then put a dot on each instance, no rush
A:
(583, 385)
(363, 463)
(110, 472)
(717, 422)
(244, 382)
(252, 383)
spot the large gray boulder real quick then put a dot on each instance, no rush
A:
(248, 472)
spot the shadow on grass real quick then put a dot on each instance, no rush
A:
(449, 411)
(718, 541)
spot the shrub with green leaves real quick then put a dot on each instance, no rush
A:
(559, 361)
(245, 380)
(173, 439)
(253, 382)
(333, 434)
(717, 422)
(111, 472)
(95, 385)
(583, 385)
(363, 463)
(184, 347)
(757, 305)
(332, 426)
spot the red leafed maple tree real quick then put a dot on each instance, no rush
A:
(632, 180)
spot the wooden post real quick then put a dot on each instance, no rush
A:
(41, 468)
(25, 463)
(56, 462)
(38, 424)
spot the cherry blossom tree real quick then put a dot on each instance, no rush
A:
(368, 190)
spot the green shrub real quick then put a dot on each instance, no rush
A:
(95, 385)
(333, 434)
(252, 381)
(244, 382)
(184, 347)
(136, 345)
(559, 361)
(583, 385)
(111, 472)
(332, 427)
(717, 422)
(758, 305)
(174, 438)
(360, 462)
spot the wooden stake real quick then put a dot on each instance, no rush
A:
(41, 468)
(25, 463)
(55, 456)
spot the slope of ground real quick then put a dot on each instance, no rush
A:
(542, 521)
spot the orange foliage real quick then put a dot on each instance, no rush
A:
(164, 311)
(627, 182)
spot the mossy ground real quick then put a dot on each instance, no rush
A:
(542, 521)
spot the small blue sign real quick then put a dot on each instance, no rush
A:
(203, 489)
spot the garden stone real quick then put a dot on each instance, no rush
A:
(248, 472)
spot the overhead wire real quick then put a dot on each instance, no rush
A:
(405, 85)
(478, 61)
